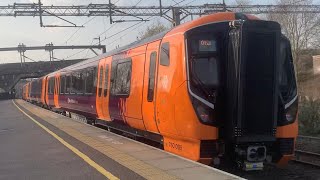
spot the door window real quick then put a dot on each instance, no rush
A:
(100, 80)
(152, 68)
(89, 82)
(63, 85)
(165, 54)
(106, 78)
(121, 78)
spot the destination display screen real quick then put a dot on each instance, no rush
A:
(207, 45)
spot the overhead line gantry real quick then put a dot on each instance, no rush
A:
(21, 48)
(139, 13)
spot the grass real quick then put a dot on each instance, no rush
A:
(309, 117)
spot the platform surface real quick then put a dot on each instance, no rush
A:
(39, 144)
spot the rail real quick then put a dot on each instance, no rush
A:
(309, 138)
(307, 157)
(308, 143)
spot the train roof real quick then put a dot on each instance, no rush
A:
(94, 61)
(216, 17)
(212, 18)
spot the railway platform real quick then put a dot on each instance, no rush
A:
(40, 144)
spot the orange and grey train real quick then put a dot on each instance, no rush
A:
(217, 89)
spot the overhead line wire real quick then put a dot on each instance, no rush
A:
(108, 30)
(74, 32)
(79, 29)
(120, 19)
(127, 33)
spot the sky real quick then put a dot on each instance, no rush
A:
(26, 30)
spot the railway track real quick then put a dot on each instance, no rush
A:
(308, 150)
(306, 157)
(308, 138)
(308, 143)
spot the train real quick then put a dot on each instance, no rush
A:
(217, 89)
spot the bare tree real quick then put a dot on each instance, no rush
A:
(301, 28)
(153, 29)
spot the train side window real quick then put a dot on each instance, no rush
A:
(68, 84)
(62, 84)
(40, 87)
(84, 74)
(51, 85)
(106, 78)
(152, 68)
(100, 80)
(123, 78)
(165, 54)
(89, 82)
(80, 87)
(65, 84)
(77, 84)
(72, 83)
(95, 79)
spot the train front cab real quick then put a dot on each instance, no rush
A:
(245, 111)
(261, 80)
(287, 124)
(179, 115)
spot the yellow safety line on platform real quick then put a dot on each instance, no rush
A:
(72, 148)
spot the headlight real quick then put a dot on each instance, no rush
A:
(290, 114)
(205, 114)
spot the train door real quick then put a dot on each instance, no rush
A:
(169, 77)
(150, 74)
(56, 90)
(99, 93)
(105, 90)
